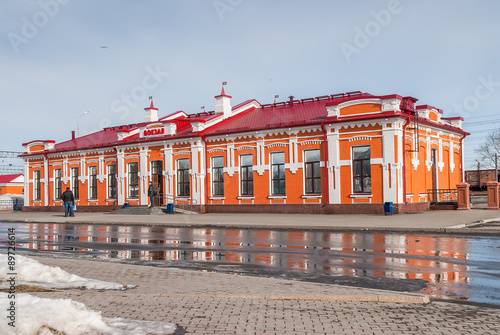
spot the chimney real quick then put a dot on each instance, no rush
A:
(151, 113)
(223, 104)
(291, 100)
(72, 134)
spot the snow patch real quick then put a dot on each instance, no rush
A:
(44, 316)
(32, 272)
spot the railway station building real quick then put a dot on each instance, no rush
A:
(342, 153)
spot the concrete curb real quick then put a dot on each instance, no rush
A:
(403, 299)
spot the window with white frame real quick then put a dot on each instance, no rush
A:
(361, 168)
(112, 181)
(57, 184)
(36, 185)
(218, 176)
(278, 186)
(312, 171)
(93, 182)
(133, 180)
(246, 174)
(183, 188)
(75, 188)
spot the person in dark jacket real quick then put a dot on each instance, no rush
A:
(151, 194)
(68, 199)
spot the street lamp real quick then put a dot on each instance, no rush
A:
(78, 123)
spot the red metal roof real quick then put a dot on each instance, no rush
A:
(291, 113)
(7, 178)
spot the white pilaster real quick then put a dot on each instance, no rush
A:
(46, 182)
(120, 178)
(333, 166)
(143, 176)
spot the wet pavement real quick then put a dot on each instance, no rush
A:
(443, 266)
(212, 303)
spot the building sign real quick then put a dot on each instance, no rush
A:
(154, 131)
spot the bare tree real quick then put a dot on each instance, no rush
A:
(488, 149)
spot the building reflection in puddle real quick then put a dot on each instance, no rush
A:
(436, 259)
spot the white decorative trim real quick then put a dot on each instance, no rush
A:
(272, 145)
(245, 197)
(181, 153)
(244, 147)
(310, 142)
(360, 138)
(312, 196)
(131, 157)
(361, 196)
(276, 196)
(216, 198)
(216, 150)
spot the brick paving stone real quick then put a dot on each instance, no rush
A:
(211, 303)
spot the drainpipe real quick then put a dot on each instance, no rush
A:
(404, 157)
(48, 177)
(461, 158)
(206, 169)
(326, 165)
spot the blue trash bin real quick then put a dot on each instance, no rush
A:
(170, 208)
(388, 208)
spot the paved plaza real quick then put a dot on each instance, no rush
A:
(469, 221)
(213, 303)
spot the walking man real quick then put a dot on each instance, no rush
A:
(68, 199)
(151, 194)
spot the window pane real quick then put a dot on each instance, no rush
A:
(275, 186)
(250, 173)
(317, 185)
(309, 170)
(275, 171)
(282, 187)
(367, 184)
(312, 155)
(250, 187)
(309, 185)
(183, 164)
(316, 170)
(278, 158)
(361, 152)
(218, 162)
(357, 168)
(246, 160)
(357, 184)
(366, 167)
(282, 172)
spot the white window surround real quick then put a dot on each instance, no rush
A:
(245, 198)
(360, 195)
(311, 196)
(276, 196)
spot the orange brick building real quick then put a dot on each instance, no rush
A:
(344, 153)
(11, 184)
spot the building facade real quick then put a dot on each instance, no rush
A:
(340, 153)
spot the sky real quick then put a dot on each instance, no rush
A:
(63, 58)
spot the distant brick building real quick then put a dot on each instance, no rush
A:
(344, 153)
(477, 179)
(11, 184)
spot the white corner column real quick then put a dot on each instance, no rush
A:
(120, 178)
(143, 175)
(333, 165)
(389, 166)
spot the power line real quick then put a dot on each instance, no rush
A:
(10, 154)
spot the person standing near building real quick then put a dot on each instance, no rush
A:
(68, 199)
(151, 194)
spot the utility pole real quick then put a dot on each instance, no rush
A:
(496, 166)
(479, 175)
